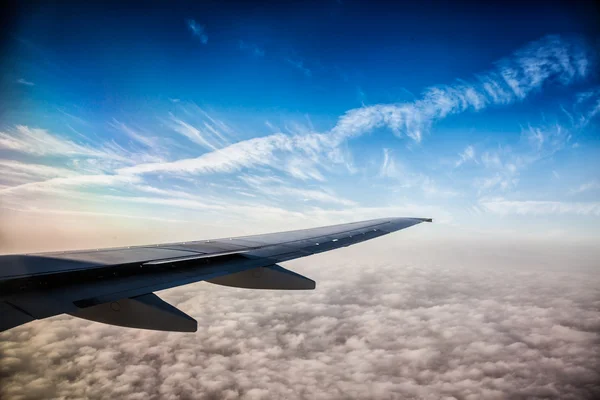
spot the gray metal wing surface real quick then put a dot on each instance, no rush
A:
(116, 285)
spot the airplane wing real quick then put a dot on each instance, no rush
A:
(116, 285)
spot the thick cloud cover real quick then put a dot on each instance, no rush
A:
(387, 321)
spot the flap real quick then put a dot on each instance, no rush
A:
(269, 277)
(12, 316)
(144, 312)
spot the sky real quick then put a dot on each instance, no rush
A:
(264, 115)
(190, 120)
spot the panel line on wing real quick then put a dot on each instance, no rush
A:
(198, 257)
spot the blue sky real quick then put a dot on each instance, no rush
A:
(276, 115)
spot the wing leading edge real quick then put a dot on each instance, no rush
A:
(115, 285)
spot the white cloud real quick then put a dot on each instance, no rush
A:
(537, 144)
(47, 211)
(468, 154)
(192, 133)
(197, 30)
(245, 154)
(164, 192)
(25, 82)
(299, 65)
(200, 127)
(303, 168)
(536, 138)
(172, 202)
(272, 127)
(134, 134)
(588, 106)
(317, 195)
(502, 181)
(546, 141)
(300, 156)
(392, 327)
(251, 48)
(275, 188)
(392, 169)
(527, 70)
(388, 167)
(586, 187)
(77, 180)
(551, 57)
(491, 159)
(34, 171)
(40, 142)
(260, 181)
(431, 189)
(307, 155)
(222, 210)
(507, 207)
(555, 174)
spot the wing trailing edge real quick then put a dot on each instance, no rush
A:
(269, 277)
(143, 312)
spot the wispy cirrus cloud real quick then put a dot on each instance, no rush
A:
(468, 154)
(18, 173)
(251, 48)
(588, 104)
(25, 82)
(586, 187)
(192, 133)
(388, 168)
(245, 154)
(528, 69)
(36, 170)
(168, 192)
(503, 180)
(537, 143)
(304, 168)
(296, 155)
(507, 207)
(77, 180)
(197, 30)
(198, 126)
(320, 196)
(274, 187)
(406, 179)
(235, 210)
(139, 137)
(88, 155)
(169, 202)
(552, 58)
(307, 155)
(39, 142)
(299, 65)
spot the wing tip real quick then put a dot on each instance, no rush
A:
(413, 219)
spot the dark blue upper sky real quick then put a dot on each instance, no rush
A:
(114, 56)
